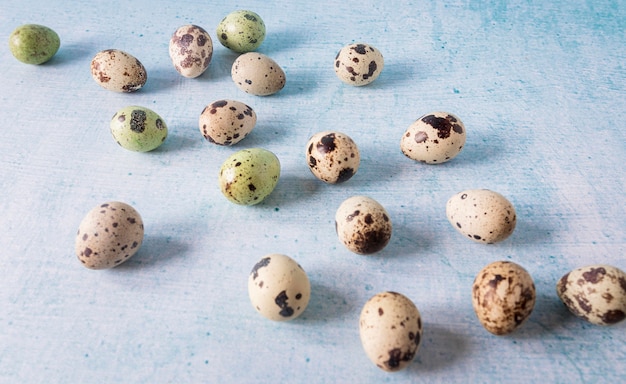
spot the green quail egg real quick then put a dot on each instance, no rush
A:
(241, 31)
(138, 129)
(249, 176)
(34, 44)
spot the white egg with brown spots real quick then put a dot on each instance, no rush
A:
(279, 288)
(191, 50)
(226, 122)
(481, 215)
(109, 235)
(434, 138)
(332, 157)
(363, 225)
(118, 71)
(257, 74)
(595, 293)
(358, 64)
(503, 297)
(390, 328)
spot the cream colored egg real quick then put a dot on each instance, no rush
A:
(109, 235)
(332, 157)
(226, 122)
(257, 74)
(363, 225)
(434, 138)
(390, 328)
(191, 50)
(481, 215)
(358, 64)
(118, 71)
(278, 287)
(595, 293)
(503, 296)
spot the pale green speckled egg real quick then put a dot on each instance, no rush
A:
(138, 129)
(249, 176)
(241, 31)
(34, 44)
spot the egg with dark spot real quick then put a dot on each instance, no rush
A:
(109, 235)
(118, 71)
(226, 122)
(138, 129)
(434, 138)
(595, 293)
(358, 64)
(390, 328)
(191, 50)
(248, 176)
(257, 74)
(241, 31)
(332, 157)
(363, 225)
(503, 296)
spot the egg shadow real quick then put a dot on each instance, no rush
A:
(220, 66)
(396, 74)
(326, 304)
(70, 53)
(175, 143)
(405, 242)
(440, 349)
(292, 189)
(161, 79)
(480, 149)
(283, 39)
(155, 250)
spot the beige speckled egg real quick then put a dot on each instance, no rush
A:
(109, 235)
(390, 327)
(434, 138)
(358, 64)
(257, 74)
(481, 215)
(191, 49)
(363, 225)
(503, 296)
(595, 293)
(332, 157)
(118, 71)
(278, 287)
(226, 122)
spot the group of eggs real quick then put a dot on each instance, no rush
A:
(503, 293)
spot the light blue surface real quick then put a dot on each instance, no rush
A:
(540, 86)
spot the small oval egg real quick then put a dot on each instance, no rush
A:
(248, 176)
(33, 43)
(109, 235)
(503, 296)
(138, 129)
(595, 293)
(241, 31)
(358, 64)
(390, 327)
(118, 71)
(257, 74)
(363, 225)
(434, 138)
(226, 122)
(332, 157)
(481, 215)
(191, 49)
(278, 287)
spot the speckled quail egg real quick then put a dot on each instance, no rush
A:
(434, 138)
(278, 287)
(358, 64)
(138, 129)
(481, 215)
(503, 296)
(257, 74)
(241, 31)
(191, 49)
(390, 327)
(248, 176)
(226, 122)
(332, 157)
(109, 235)
(595, 293)
(118, 71)
(33, 43)
(363, 225)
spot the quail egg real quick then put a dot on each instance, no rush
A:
(226, 122)
(363, 225)
(248, 176)
(434, 138)
(191, 49)
(241, 31)
(332, 157)
(118, 71)
(138, 129)
(358, 64)
(257, 74)
(33, 43)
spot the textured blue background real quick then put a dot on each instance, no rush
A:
(540, 86)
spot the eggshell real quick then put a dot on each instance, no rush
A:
(363, 225)
(138, 129)
(481, 215)
(248, 176)
(278, 287)
(118, 71)
(226, 122)
(241, 31)
(503, 296)
(191, 49)
(332, 157)
(434, 138)
(595, 293)
(390, 327)
(33, 43)
(358, 64)
(109, 235)
(257, 74)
